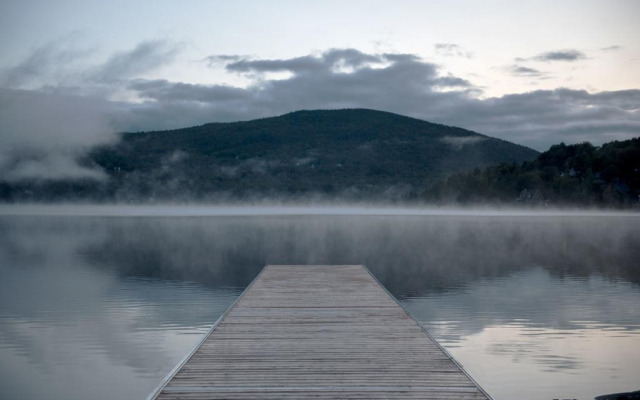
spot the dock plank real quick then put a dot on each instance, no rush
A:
(322, 332)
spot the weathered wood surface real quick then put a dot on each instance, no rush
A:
(322, 332)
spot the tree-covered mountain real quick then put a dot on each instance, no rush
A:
(354, 154)
(580, 175)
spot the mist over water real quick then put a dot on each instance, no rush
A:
(102, 304)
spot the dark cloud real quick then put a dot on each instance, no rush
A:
(330, 60)
(163, 90)
(545, 117)
(351, 57)
(452, 81)
(221, 59)
(400, 57)
(395, 82)
(295, 65)
(519, 70)
(628, 100)
(558, 55)
(451, 50)
(611, 48)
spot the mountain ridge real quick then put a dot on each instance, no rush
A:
(353, 153)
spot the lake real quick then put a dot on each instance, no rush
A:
(101, 302)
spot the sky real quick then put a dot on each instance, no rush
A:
(74, 73)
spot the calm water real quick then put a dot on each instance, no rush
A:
(101, 305)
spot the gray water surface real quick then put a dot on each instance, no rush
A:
(102, 305)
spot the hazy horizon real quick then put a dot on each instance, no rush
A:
(333, 208)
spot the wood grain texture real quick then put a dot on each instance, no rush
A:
(322, 332)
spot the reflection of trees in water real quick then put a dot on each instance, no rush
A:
(410, 255)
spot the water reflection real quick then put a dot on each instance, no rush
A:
(410, 255)
(103, 307)
(70, 329)
(574, 337)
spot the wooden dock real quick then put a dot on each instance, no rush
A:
(322, 332)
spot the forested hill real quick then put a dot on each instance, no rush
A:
(354, 154)
(575, 175)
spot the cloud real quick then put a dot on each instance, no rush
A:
(221, 59)
(558, 55)
(451, 50)
(295, 65)
(544, 117)
(65, 65)
(611, 48)
(519, 70)
(338, 78)
(47, 64)
(145, 57)
(45, 130)
(48, 166)
(330, 60)
(43, 136)
(163, 90)
(458, 142)
(451, 82)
